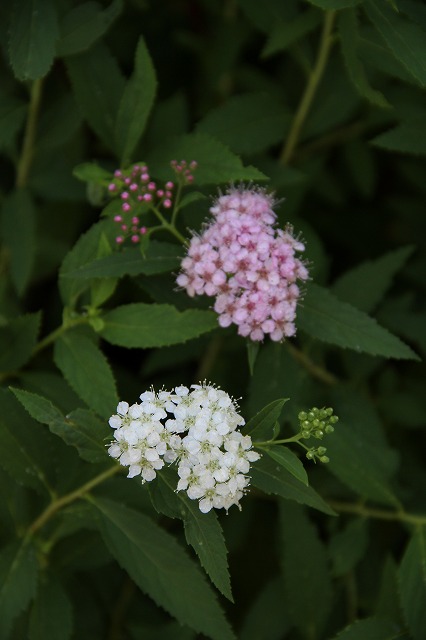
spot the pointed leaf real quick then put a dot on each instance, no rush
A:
(286, 33)
(365, 285)
(154, 325)
(408, 137)
(325, 317)
(18, 581)
(412, 580)
(160, 568)
(287, 459)
(18, 226)
(87, 371)
(136, 104)
(80, 429)
(84, 24)
(270, 477)
(261, 426)
(32, 37)
(216, 163)
(371, 629)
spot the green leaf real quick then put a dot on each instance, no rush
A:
(412, 581)
(80, 429)
(92, 172)
(51, 612)
(284, 34)
(12, 117)
(97, 93)
(307, 582)
(287, 459)
(87, 371)
(332, 5)
(84, 24)
(216, 163)
(18, 581)
(101, 290)
(371, 629)
(252, 352)
(18, 227)
(160, 257)
(25, 452)
(160, 568)
(17, 340)
(324, 317)
(364, 286)
(270, 477)
(348, 546)
(269, 606)
(261, 426)
(408, 137)
(248, 123)
(32, 36)
(202, 530)
(404, 38)
(348, 32)
(154, 325)
(136, 104)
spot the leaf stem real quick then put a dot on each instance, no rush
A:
(310, 89)
(379, 514)
(176, 204)
(54, 335)
(27, 152)
(314, 369)
(268, 443)
(169, 226)
(63, 501)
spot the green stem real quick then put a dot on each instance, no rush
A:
(168, 226)
(59, 503)
(176, 204)
(52, 337)
(268, 443)
(379, 514)
(27, 153)
(310, 89)
(314, 369)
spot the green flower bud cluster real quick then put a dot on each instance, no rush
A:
(317, 423)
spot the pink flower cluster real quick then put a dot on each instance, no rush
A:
(248, 265)
(135, 187)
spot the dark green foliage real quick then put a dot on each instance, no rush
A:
(320, 102)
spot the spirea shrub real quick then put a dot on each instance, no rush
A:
(223, 191)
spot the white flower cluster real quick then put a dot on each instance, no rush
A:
(198, 429)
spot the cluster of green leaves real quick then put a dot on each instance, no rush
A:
(325, 100)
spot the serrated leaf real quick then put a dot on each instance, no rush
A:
(160, 568)
(79, 429)
(284, 34)
(261, 426)
(18, 581)
(97, 93)
(305, 571)
(136, 104)
(160, 257)
(326, 318)
(270, 477)
(287, 459)
(364, 286)
(84, 24)
(248, 123)
(87, 371)
(92, 172)
(348, 546)
(348, 32)
(371, 629)
(18, 227)
(24, 453)
(51, 612)
(17, 340)
(216, 163)
(408, 137)
(154, 325)
(32, 36)
(404, 38)
(412, 581)
(202, 530)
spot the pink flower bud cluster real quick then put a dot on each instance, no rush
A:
(136, 188)
(248, 265)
